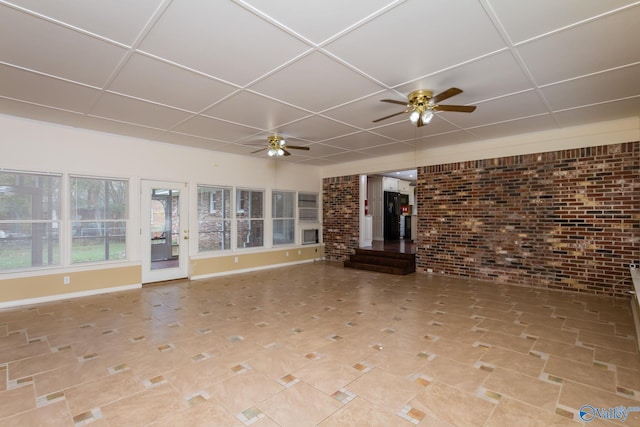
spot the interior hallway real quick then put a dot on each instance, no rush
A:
(318, 344)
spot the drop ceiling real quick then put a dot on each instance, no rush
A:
(223, 75)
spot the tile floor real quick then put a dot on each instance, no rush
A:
(317, 344)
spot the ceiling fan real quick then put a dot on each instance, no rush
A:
(277, 146)
(422, 105)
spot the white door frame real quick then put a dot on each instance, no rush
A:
(180, 271)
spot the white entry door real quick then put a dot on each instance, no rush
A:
(165, 231)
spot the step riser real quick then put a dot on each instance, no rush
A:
(387, 255)
(382, 262)
(379, 268)
(391, 262)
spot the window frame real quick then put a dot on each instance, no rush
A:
(249, 218)
(284, 219)
(211, 210)
(98, 228)
(304, 217)
(42, 226)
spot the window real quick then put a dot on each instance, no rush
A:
(214, 218)
(308, 207)
(99, 214)
(283, 214)
(29, 209)
(249, 218)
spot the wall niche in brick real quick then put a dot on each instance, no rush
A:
(340, 222)
(566, 219)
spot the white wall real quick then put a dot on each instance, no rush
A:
(34, 146)
(31, 145)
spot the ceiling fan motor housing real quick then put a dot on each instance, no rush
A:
(420, 97)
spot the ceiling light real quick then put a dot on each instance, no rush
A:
(427, 116)
(415, 115)
(422, 114)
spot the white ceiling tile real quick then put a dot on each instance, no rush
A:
(154, 80)
(403, 130)
(319, 20)
(255, 69)
(488, 77)
(524, 20)
(37, 112)
(516, 106)
(315, 128)
(44, 90)
(119, 128)
(129, 110)
(529, 124)
(215, 129)
(600, 112)
(616, 84)
(405, 43)
(321, 150)
(254, 110)
(302, 83)
(221, 39)
(358, 141)
(599, 45)
(60, 52)
(362, 112)
(119, 20)
(387, 150)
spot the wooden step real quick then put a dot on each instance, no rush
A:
(383, 262)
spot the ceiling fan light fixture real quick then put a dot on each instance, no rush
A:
(277, 147)
(422, 106)
(415, 115)
(427, 116)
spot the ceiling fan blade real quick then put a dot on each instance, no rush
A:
(457, 108)
(446, 94)
(297, 147)
(389, 116)
(393, 101)
(257, 151)
(286, 153)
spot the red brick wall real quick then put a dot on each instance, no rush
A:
(340, 222)
(567, 219)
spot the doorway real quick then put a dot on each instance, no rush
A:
(165, 231)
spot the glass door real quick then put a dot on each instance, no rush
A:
(165, 231)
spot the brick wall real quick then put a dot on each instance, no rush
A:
(567, 219)
(340, 222)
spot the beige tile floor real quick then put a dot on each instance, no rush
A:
(317, 344)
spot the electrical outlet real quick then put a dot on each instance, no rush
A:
(66, 280)
(235, 260)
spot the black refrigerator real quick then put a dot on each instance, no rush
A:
(391, 215)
